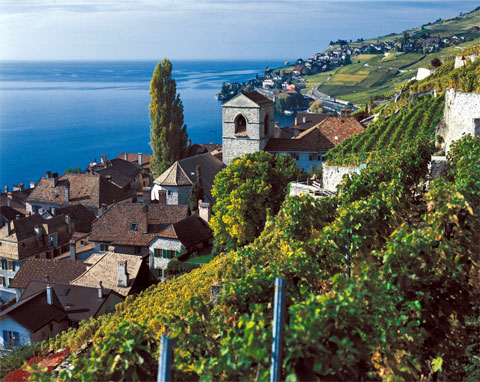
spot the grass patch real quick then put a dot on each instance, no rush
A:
(348, 79)
(200, 259)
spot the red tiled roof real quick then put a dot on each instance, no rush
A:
(320, 137)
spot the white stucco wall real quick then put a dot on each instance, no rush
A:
(461, 115)
(332, 175)
(423, 73)
(175, 195)
(163, 243)
(459, 62)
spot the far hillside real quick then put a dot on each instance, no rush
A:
(360, 71)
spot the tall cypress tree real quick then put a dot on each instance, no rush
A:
(196, 192)
(168, 133)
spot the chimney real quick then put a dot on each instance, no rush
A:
(32, 184)
(38, 234)
(54, 179)
(162, 197)
(204, 210)
(304, 119)
(109, 178)
(6, 189)
(146, 196)
(100, 290)
(140, 159)
(67, 194)
(53, 211)
(189, 143)
(18, 187)
(9, 198)
(7, 229)
(73, 250)
(122, 274)
(49, 295)
(125, 156)
(68, 220)
(103, 158)
(346, 112)
(48, 174)
(296, 121)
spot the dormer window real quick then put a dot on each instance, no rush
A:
(133, 226)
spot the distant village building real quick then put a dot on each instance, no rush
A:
(143, 160)
(92, 191)
(175, 183)
(248, 127)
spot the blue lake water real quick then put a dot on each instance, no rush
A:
(59, 114)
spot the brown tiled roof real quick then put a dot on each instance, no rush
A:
(320, 137)
(34, 312)
(104, 269)
(183, 172)
(202, 148)
(133, 157)
(82, 217)
(89, 190)
(8, 213)
(119, 171)
(189, 231)
(115, 224)
(174, 176)
(16, 245)
(57, 271)
(257, 97)
(79, 302)
(18, 199)
(311, 119)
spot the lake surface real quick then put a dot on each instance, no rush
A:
(54, 115)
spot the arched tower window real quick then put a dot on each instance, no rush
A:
(240, 125)
(265, 125)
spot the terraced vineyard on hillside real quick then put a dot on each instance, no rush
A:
(391, 132)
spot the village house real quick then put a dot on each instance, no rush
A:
(248, 127)
(16, 198)
(47, 309)
(124, 274)
(122, 173)
(143, 160)
(129, 228)
(92, 191)
(29, 237)
(175, 182)
(52, 270)
(180, 240)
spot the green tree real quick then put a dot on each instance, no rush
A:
(196, 192)
(248, 190)
(168, 133)
(73, 170)
(316, 107)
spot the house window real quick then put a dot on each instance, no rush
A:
(315, 157)
(133, 226)
(156, 252)
(4, 264)
(11, 265)
(2, 281)
(169, 254)
(294, 155)
(240, 125)
(103, 247)
(10, 280)
(10, 338)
